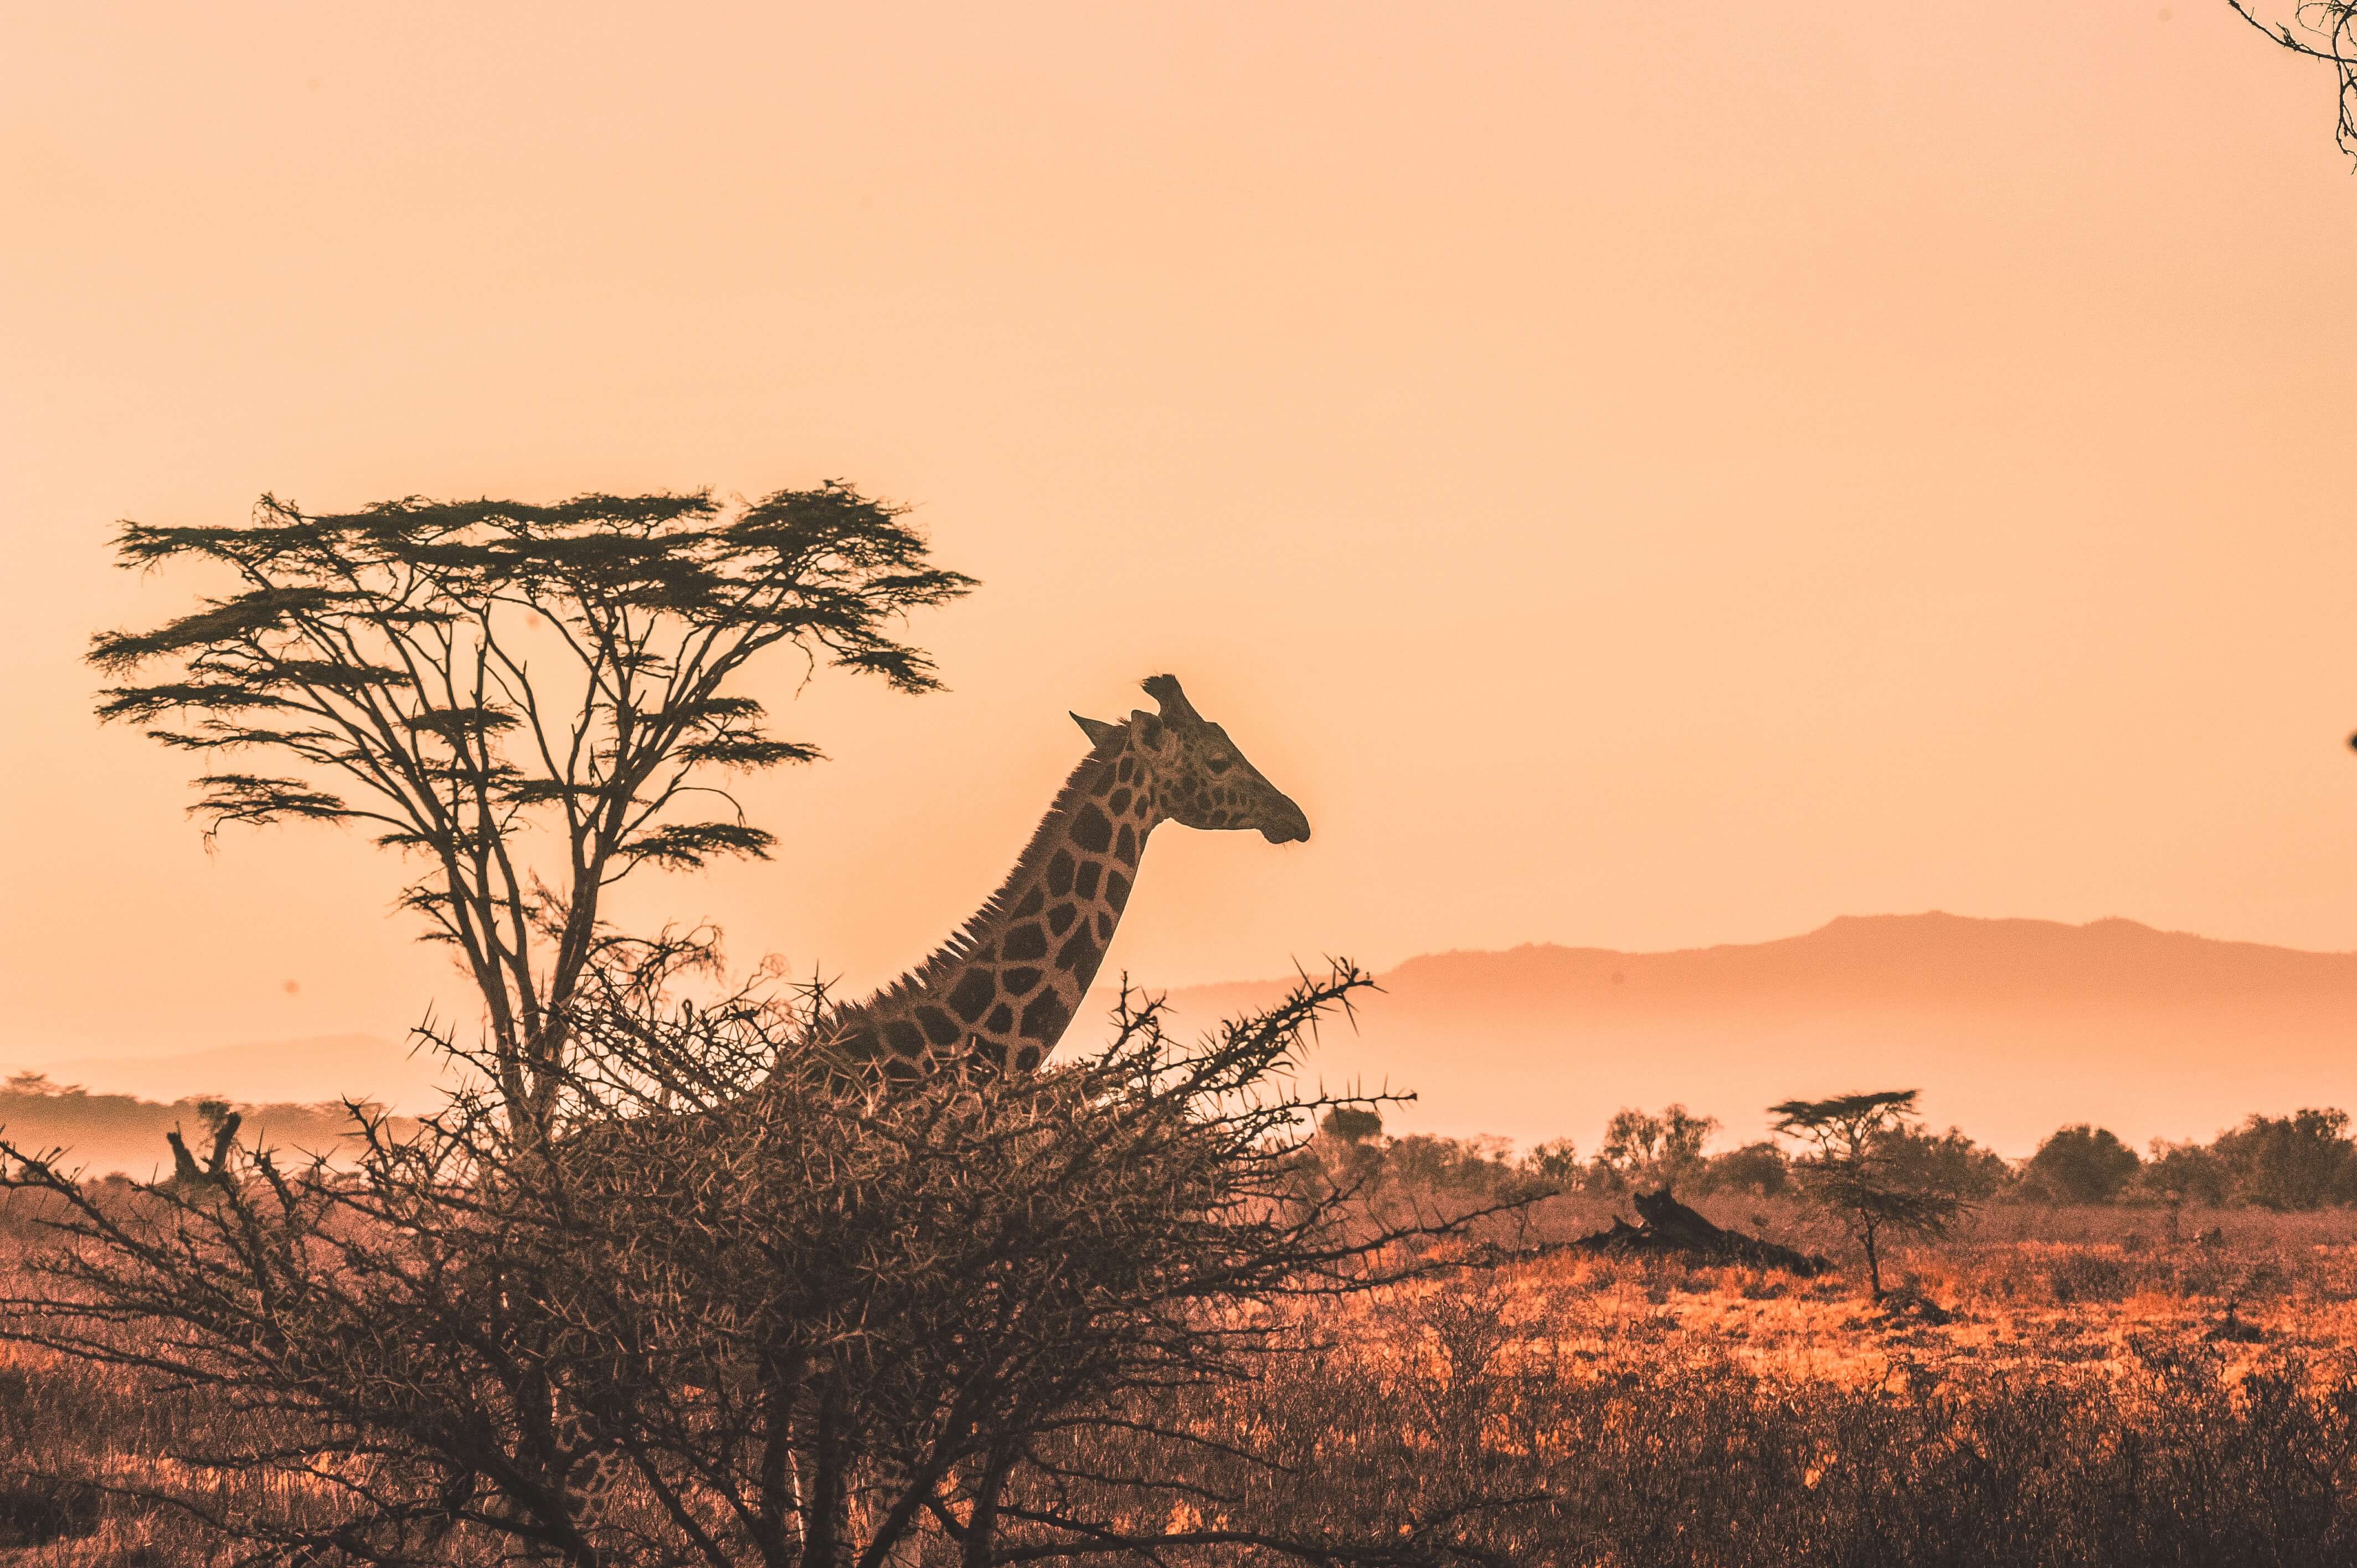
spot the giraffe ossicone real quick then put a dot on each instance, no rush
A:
(999, 994)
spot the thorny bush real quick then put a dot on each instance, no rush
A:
(745, 1306)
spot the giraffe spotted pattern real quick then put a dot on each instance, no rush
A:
(999, 995)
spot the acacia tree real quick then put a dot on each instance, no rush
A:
(454, 675)
(1859, 1167)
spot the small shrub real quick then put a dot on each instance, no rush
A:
(38, 1509)
(1760, 1169)
(2087, 1276)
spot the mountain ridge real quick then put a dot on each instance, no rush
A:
(2011, 1028)
(1846, 940)
(315, 1068)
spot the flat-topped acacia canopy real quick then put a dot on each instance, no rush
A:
(449, 672)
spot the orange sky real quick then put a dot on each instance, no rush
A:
(1639, 476)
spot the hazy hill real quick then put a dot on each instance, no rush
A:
(2011, 1027)
(321, 1069)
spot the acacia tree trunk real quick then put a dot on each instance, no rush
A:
(782, 1521)
(823, 1521)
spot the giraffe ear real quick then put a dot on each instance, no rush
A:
(1097, 730)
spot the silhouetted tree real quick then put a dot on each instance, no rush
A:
(1348, 1153)
(1858, 1168)
(2183, 1173)
(2083, 1164)
(450, 674)
(2301, 1161)
(1948, 1162)
(1757, 1168)
(1643, 1150)
(1555, 1163)
(1424, 1163)
(2322, 30)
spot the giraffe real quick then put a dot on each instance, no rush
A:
(998, 995)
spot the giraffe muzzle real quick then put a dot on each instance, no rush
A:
(1286, 824)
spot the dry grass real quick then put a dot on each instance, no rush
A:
(2078, 1409)
(2030, 1287)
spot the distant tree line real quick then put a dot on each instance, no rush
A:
(2304, 1161)
(123, 1131)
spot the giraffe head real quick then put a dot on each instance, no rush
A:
(1197, 776)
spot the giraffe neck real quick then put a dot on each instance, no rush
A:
(1002, 991)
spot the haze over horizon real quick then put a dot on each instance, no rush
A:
(1612, 530)
(2011, 1028)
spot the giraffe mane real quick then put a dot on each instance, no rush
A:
(1044, 840)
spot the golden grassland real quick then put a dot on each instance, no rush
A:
(2030, 1286)
(1613, 1370)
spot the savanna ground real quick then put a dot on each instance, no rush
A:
(2104, 1394)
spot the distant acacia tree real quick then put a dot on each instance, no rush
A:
(2321, 30)
(1857, 1166)
(450, 675)
(2084, 1164)
(1352, 1124)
